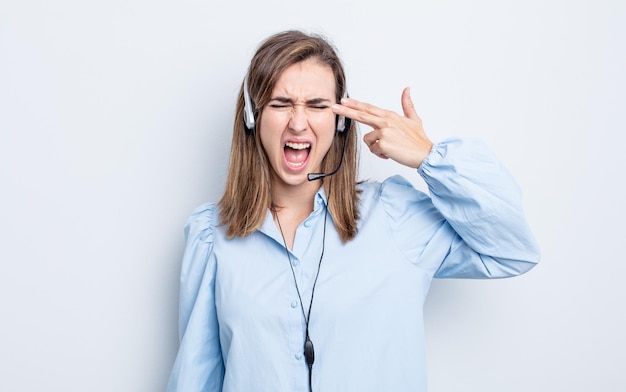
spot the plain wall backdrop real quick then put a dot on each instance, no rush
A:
(115, 122)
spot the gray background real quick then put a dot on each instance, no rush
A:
(115, 121)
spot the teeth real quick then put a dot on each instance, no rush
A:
(298, 146)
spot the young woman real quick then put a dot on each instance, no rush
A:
(299, 282)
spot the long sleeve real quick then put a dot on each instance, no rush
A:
(472, 225)
(199, 365)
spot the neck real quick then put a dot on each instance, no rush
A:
(295, 198)
(294, 204)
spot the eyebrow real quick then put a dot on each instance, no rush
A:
(314, 101)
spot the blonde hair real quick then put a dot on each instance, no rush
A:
(247, 197)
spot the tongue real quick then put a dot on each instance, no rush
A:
(296, 156)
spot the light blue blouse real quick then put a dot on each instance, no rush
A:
(241, 325)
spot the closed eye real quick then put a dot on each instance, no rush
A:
(280, 106)
(284, 103)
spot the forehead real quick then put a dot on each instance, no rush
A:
(305, 80)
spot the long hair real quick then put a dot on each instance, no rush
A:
(247, 196)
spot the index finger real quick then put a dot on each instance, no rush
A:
(362, 112)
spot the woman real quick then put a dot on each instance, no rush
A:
(298, 284)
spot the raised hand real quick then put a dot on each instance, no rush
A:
(393, 136)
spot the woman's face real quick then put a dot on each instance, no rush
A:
(297, 126)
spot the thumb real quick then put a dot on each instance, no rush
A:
(407, 105)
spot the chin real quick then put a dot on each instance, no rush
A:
(293, 179)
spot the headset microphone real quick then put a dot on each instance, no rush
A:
(345, 124)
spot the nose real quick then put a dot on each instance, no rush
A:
(299, 121)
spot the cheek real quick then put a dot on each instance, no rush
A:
(326, 132)
(269, 131)
(268, 142)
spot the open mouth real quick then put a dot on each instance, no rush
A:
(296, 154)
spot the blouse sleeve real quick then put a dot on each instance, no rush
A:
(472, 225)
(199, 365)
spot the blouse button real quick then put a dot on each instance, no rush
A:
(294, 304)
(294, 263)
(298, 356)
(307, 223)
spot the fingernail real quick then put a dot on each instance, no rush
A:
(345, 100)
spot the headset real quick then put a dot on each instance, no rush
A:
(250, 121)
(343, 123)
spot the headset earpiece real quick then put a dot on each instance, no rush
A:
(342, 121)
(248, 107)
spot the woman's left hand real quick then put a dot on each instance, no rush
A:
(400, 138)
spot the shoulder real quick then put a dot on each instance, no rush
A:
(199, 238)
(202, 222)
